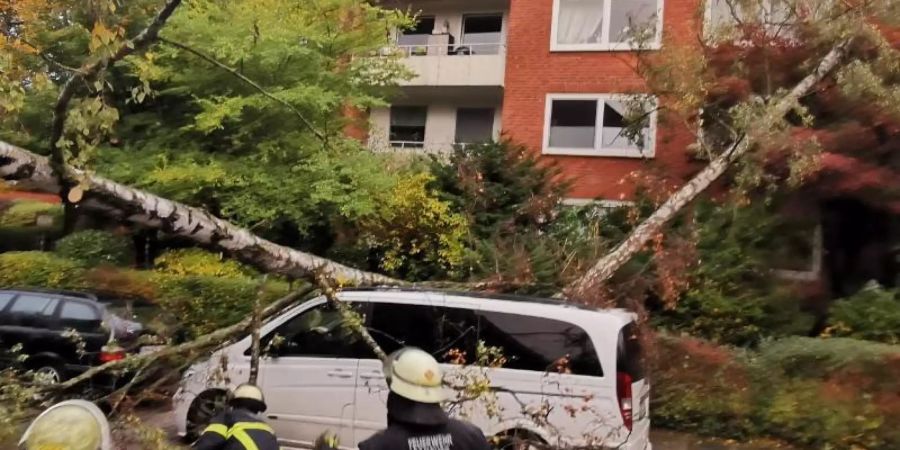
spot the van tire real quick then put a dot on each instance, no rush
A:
(206, 405)
(517, 439)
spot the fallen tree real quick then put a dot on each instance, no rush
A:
(607, 266)
(34, 172)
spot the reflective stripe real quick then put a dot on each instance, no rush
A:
(239, 432)
(244, 439)
(241, 426)
(217, 428)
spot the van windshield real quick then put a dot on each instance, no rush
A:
(630, 353)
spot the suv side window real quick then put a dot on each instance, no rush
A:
(539, 344)
(79, 315)
(318, 332)
(32, 305)
(437, 330)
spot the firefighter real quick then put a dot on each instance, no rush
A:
(240, 427)
(415, 418)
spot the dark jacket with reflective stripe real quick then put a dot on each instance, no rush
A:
(237, 429)
(454, 435)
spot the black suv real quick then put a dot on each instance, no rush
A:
(62, 333)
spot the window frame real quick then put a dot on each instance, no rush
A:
(598, 150)
(604, 46)
(398, 144)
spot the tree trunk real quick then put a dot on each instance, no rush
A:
(607, 266)
(30, 171)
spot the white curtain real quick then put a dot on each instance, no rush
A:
(579, 21)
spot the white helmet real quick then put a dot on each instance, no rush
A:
(72, 425)
(415, 375)
(250, 392)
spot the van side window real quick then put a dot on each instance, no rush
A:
(4, 300)
(630, 353)
(318, 332)
(539, 344)
(437, 330)
(32, 305)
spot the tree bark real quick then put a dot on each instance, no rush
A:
(33, 172)
(607, 266)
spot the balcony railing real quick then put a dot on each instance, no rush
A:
(412, 50)
(481, 64)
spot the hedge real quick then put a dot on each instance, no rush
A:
(199, 303)
(822, 393)
(95, 247)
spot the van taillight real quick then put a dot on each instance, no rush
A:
(623, 391)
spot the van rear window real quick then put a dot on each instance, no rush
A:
(630, 353)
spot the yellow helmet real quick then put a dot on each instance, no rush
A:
(414, 374)
(70, 425)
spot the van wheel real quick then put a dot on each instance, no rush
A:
(517, 440)
(202, 410)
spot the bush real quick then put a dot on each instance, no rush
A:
(40, 269)
(733, 297)
(499, 186)
(823, 393)
(873, 314)
(197, 262)
(23, 213)
(205, 304)
(417, 236)
(95, 247)
(200, 304)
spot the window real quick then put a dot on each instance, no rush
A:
(408, 126)
(78, 311)
(437, 330)
(777, 16)
(580, 25)
(599, 125)
(79, 316)
(629, 353)
(415, 40)
(4, 300)
(474, 125)
(318, 332)
(34, 305)
(538, 344)
(482, 34)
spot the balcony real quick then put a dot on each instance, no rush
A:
(462, 65)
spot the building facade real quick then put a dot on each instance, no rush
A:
(555, 75)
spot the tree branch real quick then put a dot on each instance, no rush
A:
(604, 269)
(212, 340)
(250, 82)
(60, 111)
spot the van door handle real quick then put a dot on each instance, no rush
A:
(340, 374)
(272, 416)
(372, 376)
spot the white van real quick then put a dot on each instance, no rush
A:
(572, 376)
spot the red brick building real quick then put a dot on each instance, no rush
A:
(551, 74)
